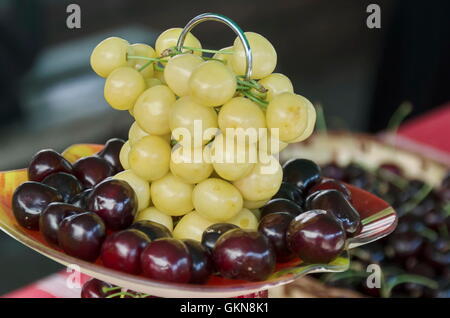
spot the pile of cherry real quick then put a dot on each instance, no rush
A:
(82, 210)
(419, 246)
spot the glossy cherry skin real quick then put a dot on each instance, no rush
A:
(213, 232)
(329, 184)
(438, 253)
(45, 163)
(82, 235)
(303, 173)
(80, 200)
(290, 192)
(333, 171)
(66, 184)
(241, 254)
(281, 205)
(52, 217)
(168, 260)
(29, 200)
(94, 288)
(406, 244)
(335, 202)
(316, 236)
(111, 153)
(153, 230)
(202, 265)
(274, 226)
(122, 250)
(92, 170)
(115, 202)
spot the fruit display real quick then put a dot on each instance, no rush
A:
(196, 195)
(416, 257)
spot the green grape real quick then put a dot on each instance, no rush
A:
(122, 87)
(123, 155)
(140, 49)
(232, 161)
(186, 113)
(178, 71)
(241, 112)
(153, 108)
(275, 84)
(263, 53)
(108, 55)
(309, 126)
(288, 113)
(212, 84)
(172, 195)
(169, 38)
(140, 186)
(216, 200)
(149, 157)
(184, 165)
(245, 219)
(263, 181)
(191, 226)
(155, 215)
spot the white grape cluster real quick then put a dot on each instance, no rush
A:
(167, 91)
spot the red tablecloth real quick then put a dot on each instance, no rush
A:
(429, 134)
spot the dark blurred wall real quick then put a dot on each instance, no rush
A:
(415, 61)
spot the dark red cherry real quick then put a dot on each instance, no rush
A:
(153, 230)
(241, 254)
(202, 265)
(82, 235)
(80, 200)
(168, 260)
(213, 232)
(52, 217)
(29, 200)
(406, 244)
(122, 250)
(303, 173)
(438, 253)
(274, 227)
(115, 202)
(392, 168)
(435, 218)
(281, 205)
(111, 153)
(45, 163)
(66, 184)
(444, 190)
(329, 184)
(316, 236)
(92, 170)
(95, 288)
(335, 202)
(333, 171)
(290, 192)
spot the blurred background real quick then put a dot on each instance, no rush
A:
(49, 96)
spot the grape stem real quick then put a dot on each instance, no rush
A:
(255, 99)
(206, 50)
(153, 59)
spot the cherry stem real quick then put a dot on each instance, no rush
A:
(377, 216)
(386, 289)
(122, 294)
(411, 204)
(399, 116)
(108, 289)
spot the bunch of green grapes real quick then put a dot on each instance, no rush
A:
(168, 90)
